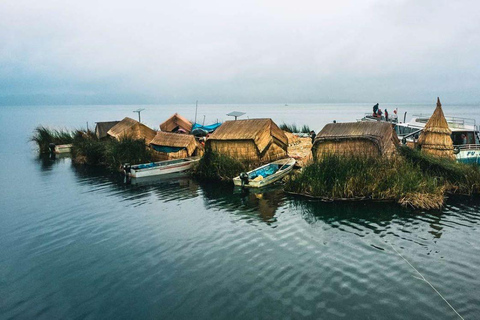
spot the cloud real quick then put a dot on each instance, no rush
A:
(303, 51)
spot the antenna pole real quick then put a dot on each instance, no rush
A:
(196, 107)
(138, 111)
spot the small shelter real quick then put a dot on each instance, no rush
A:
(252, 139)
(132, 129)
(101, 128)
(370, 139)
(173, 145)
(175, 123)
(435, 138)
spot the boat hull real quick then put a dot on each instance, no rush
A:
(162, 168)
(63, 148)
(289, 163)
(469, 156)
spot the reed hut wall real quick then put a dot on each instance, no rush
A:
(435, 138)
(160, 156)
(368, 139)
(253, 139)
(176, 122)
(174, 140)
(101, 128)
(132, 129)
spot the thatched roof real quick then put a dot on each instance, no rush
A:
(133, 129)
(176, 122)
(380, 133)
(261, 131)
(435, 138)
(437, 122)
(102, 128)
(175, 140)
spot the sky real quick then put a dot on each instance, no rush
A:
(133, 52)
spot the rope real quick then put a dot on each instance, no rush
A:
(422, 278)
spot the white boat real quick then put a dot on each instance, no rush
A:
(63, 148)
(265, 175)
(159, 168)
(465, 135)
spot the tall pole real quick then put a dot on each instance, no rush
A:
(196, 107)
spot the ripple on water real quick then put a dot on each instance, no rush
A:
(183, 249)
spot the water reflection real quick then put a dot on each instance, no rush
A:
(48, 161)
(260, 204)
(165, 188)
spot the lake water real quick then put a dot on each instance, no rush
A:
(77, 243)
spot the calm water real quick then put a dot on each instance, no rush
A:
(78, 243)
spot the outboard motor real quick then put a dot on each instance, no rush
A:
(126, 169)
(51, 146)
(244, 178)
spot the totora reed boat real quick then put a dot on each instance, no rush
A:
(159, 168)
(266, 174)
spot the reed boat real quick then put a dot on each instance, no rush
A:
(159, 168)
(266, 174)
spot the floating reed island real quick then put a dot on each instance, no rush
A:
(346, 161)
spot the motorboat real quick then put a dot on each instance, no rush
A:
(159, 168)
(266, 174)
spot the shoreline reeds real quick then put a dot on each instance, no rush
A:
(292, 128)
(43, 136)
(214, 166)
(412, 179)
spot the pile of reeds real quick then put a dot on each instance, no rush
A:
(43, 136)
(358, 178)
(216, 166)
(292, 128)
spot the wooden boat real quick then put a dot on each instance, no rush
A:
(265, 175)
(159, 168)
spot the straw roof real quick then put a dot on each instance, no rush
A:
(102, 128)
(175, 140)
(176, 122)
(435, 138)
(133, 129)
(380, 133)
(260, 131)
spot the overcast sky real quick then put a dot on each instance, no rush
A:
(239, 51)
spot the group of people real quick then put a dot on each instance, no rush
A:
(377, 113)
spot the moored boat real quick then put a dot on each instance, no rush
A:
(465, 136)
(159, 168)
(63, 148)
(266, 174)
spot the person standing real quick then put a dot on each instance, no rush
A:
(375, 109)
(312, 135)
(394, 116)
(386, 115)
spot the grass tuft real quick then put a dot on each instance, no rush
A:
(215, 166)
(292, 128)
(43, 136)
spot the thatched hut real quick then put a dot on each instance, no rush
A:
(101, 128)
(175, 123)
(435, 138)
(132, 129)
(253, 139)
(370, 139)
(173, 145)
